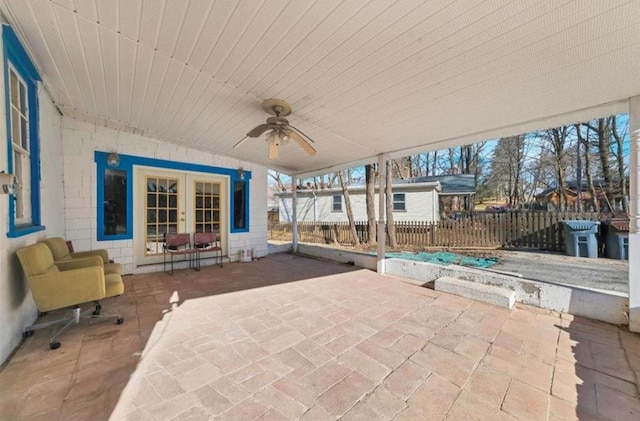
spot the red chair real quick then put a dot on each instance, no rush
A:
(206, 242)
(179, 244)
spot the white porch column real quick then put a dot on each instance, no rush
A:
(294, 213)
(382, 234)
(634, 211)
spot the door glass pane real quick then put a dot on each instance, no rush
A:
(207, 206)
(161, 213)
(115, 202)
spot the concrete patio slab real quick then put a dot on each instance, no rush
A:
(288, 337)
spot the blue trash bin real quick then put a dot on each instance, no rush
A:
(580, 238)
(617, 240)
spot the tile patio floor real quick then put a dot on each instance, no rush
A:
(309, 339)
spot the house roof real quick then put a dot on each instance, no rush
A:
(453, 184)
(571, 187)
(364, 78)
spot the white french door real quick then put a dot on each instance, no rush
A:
(176, 202)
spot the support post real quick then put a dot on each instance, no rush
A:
(634, 214)
(382, 232)
(294, 213)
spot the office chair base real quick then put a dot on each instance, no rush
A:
(74, 319)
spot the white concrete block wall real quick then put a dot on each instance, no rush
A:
(81, 139)
(17, 309)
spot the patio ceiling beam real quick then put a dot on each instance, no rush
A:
(634, 214)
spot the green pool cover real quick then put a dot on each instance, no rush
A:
(445, 258)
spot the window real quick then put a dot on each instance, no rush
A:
(115, 202)
(239, 205)
(21, 79)
(399, 202)
(337, 203)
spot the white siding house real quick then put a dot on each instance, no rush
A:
(411, 202)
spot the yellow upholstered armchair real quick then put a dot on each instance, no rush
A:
(68, 283)
(60, 251)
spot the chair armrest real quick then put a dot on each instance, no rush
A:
(79, 263)
(100, 252)
(63, 289)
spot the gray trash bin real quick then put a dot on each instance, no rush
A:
(580, 238)
(617, 240)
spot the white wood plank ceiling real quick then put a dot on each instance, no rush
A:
(364, 77)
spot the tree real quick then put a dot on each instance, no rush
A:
(279, 182)
(391, 228)
(370, 180)
(584, 141)
(619, 155)
(347, 204)
(556, 140)
(507, 167)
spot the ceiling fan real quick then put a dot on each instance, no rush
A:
(280, 130)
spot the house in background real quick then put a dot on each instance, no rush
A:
(411, 202)
(550, 197)
(457, 191)
(414, 199)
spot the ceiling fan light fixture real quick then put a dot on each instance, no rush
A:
(277, 129)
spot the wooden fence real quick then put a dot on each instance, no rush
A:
(540, 230)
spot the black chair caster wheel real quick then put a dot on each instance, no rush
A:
(98, 307)
(54, 345)
(96, 313)
(28, 334)
(120, 320)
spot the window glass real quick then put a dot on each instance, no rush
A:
(337, 203)
(115, 202)
(239, 205)
(22, 204)
(399, 203)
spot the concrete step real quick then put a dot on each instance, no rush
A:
(480, 292)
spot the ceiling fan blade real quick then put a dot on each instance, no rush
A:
(258, 130)
(302, 142)
(241, 142)
(273, 150)
(301, 133)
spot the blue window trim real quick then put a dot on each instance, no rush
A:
(127, 162)
(16, 54)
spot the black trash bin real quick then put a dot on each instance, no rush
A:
(617, 238)
(580, 238)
